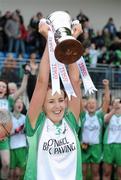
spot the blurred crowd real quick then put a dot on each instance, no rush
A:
(102, 46)
(16, 37)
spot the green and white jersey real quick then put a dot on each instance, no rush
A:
(113, 130)
(5, 104)
(54, 150)
(18, 139)
(92, 127)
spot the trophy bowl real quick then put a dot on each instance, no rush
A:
(68, 49)
(5, 124)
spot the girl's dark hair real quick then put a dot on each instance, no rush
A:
(7, 90)
(115, 99)
(61, 87)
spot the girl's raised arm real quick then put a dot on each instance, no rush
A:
(40, 91)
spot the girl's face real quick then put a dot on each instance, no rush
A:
(18, 106)
(117, 104)
(91, 105)
(3, 89)
(12, 88)
(54, 106)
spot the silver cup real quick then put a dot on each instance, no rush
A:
(68, 49)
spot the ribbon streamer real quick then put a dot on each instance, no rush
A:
(53, 64)
(66, 81)
(87, 81)
(58, 69)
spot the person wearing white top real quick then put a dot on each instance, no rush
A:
(54, 149)
(18, 142)
(112, 141)
(92, 121)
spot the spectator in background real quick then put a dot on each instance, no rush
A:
(31, 68)
(86, 40)
(103, 58)
(106, 36)
(93, 54)
(12, 88)
(1, 32)
(18, 12)
(87, 28)
(40, 41)
(34, 66)
(10, 71)
(31, 40)
(87, 56)
(82, 17)
(116, 44)
(119, 33)
(110, 26)
(20, 41)
(34, 21)
(3, 37)
(98, 40)
(12, 30)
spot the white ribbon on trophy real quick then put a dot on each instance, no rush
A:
(66, 81)
(87, 81)
(53, 64)
(57, 69)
